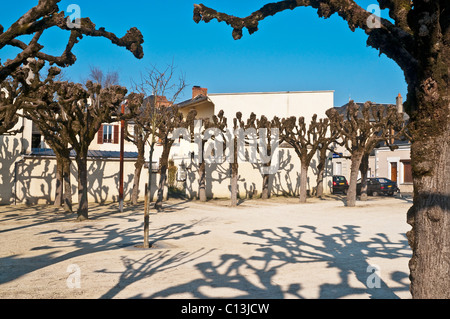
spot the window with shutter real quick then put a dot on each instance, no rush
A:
(116, 134)
(407, 172)
(107, 134)
(100, 135)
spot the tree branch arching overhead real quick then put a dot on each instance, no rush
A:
(45, 15)
(394, 40)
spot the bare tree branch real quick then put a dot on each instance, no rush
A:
(392, 40)
(44, 16)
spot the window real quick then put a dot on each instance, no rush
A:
(108, 134)
(36, 141)
(407, 172)
(35, 137)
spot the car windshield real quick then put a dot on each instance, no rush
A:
(384, 180)
(339, 178)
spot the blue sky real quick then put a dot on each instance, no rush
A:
(292, 51)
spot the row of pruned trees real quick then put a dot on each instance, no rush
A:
(69, 116)
(359, 130)
(66, 113)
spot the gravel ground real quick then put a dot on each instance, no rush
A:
(274, 249)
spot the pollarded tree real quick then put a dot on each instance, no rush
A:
(305, 139)
(85, 110)
(146, 115)
(417, 38)
(325, 146)
(265, 133)
(218, 123)
(17, 89)
(238, 150)
(28, 92)
(43, 16)
(361, 130)
(171, 119)
(43, 109)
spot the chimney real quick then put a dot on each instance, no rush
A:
(399, 103)
(197, 90)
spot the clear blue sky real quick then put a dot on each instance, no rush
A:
(292, 51)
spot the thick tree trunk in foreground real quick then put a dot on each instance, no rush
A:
(82, 189)
(429, 216)
(303, 182)
(351, 193)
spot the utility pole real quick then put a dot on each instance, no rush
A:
(122, 140)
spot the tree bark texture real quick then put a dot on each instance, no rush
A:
(351, 193)
(321, 171)
(303, 183)
(59, 183)
(234, 183)
(202, 182)
(82, 189)
(67, 186)
(164, 163)
(265, 187)
(429, 216)
(364, 168)
(137, 176)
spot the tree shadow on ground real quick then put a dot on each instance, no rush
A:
(278, 249)
(87, 238)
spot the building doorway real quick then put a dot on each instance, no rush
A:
(394, 171)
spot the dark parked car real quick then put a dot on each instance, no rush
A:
(379, 185)
(340, 184)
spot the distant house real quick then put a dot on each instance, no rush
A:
(286, 180)
(394, 165)
(270, 104)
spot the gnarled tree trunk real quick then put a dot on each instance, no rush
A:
(351, 193)
(320, 171)
(59, 183)
(233, 183)
(364, 168)
(82, 189)
(303, 182)
(265, 186)
(67, 186)
(429, 216)
(164, 163)
(137, 176)
(202, 181)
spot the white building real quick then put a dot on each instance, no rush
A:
(383, 162)
(28, 170)
(286, 179)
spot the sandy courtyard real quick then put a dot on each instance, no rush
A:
(260, 249)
